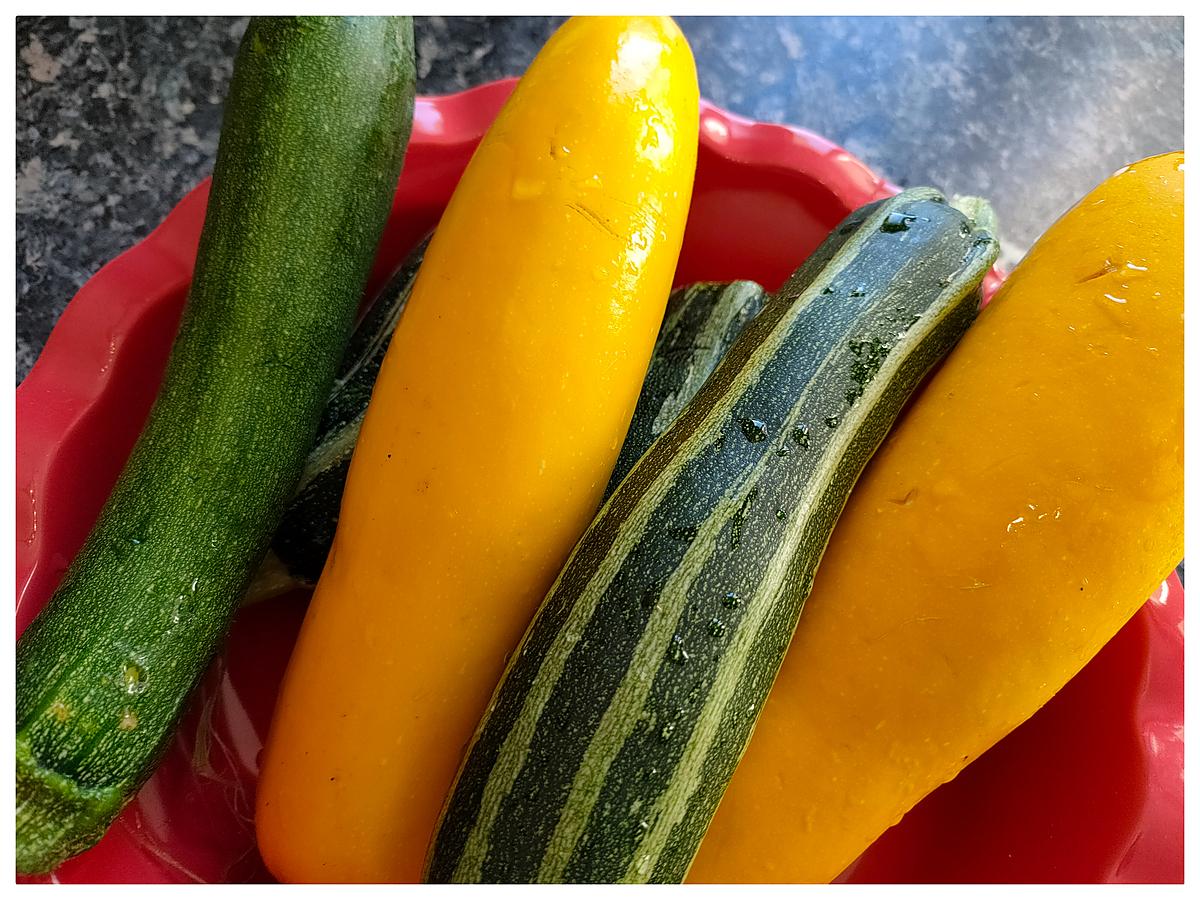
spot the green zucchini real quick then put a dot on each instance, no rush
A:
(619, 721)
(316, 124)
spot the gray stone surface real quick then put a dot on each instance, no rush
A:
(116, 119)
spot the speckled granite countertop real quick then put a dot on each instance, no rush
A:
(116, 119)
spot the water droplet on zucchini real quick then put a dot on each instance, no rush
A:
(731, 600)
(755, 430)
(897, 221)
(678, 654)
(133, 678)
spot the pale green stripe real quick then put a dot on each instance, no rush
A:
(341, 444)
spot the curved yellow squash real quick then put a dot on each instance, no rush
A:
(1021, 512)
(494, 425)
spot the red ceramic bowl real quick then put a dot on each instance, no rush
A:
(1090, 789)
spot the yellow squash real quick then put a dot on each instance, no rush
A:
(1020, 513)
(494, 425)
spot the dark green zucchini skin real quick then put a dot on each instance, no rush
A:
(316, 123)
(702, 322)
(621, 717)
(305, 533)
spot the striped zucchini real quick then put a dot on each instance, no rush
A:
(619, 721)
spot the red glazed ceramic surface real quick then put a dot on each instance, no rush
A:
(1089, 789)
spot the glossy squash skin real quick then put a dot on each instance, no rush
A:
(494, 425)
(1022, 510)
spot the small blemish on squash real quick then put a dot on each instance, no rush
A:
(1106, 269)
(129, 721)
(59, 710)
